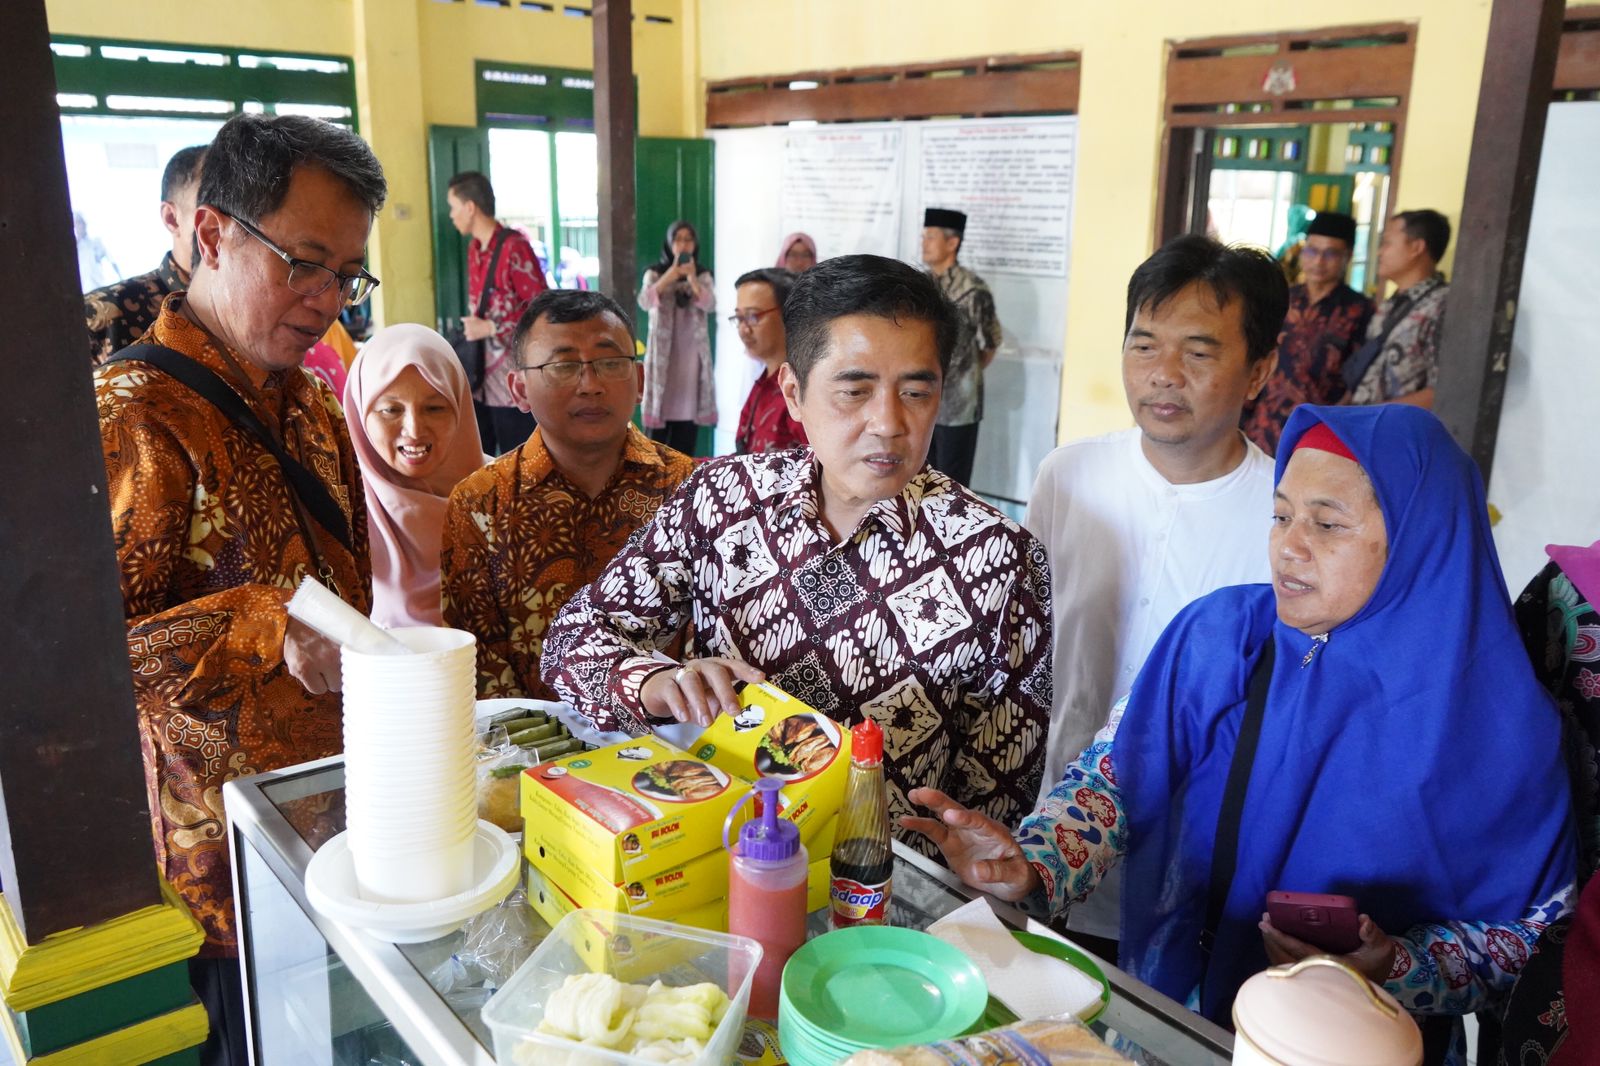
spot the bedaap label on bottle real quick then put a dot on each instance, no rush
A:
(857, 904)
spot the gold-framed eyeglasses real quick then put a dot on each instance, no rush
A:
(567, 371)
(312, 279)
(749, 318)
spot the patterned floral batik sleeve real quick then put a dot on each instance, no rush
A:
(467, 574)
(998, 771)
(1080, 830)
(1462, 967)
(604, 644)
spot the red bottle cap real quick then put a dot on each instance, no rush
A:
(866, 742)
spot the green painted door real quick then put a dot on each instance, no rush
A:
(451, 149)
(1326, 192)
(674, 179)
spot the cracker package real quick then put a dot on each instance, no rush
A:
(631, 809)
(1043, 1042)
(776, 735)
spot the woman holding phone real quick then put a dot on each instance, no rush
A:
(1406, 756)
(680, 295)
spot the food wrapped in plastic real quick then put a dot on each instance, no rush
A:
(508, 744)
(1059, 1041)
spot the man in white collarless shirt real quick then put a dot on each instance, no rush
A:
(1140, 523)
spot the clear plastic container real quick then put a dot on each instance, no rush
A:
(634, 951)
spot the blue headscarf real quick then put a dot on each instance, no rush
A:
(1414, 763)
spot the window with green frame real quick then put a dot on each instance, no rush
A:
(152, 79)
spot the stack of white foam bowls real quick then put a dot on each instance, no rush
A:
(410, 794)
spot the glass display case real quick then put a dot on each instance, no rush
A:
(319, 992)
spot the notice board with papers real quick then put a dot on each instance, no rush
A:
(862, 187)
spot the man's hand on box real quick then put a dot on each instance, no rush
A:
(697, 691)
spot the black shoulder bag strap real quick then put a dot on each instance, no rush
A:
(494, 262)
(1225, 851)
(1358, 362)
(204, 382)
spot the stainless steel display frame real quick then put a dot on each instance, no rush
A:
(401, 992)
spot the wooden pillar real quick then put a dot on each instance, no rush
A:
(76, 841)
(614, 122)
(1475, 348)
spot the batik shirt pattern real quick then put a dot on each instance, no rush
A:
(932, 617)
(1409, 361)
(120, 313)
(1316, 338)
(520, 539)
(1080, 831)
(1561, 630)
(210, 551)
(518, 278)
(961, 402)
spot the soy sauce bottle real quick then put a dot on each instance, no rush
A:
(862, 859)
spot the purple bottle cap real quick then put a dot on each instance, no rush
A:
(768, 838)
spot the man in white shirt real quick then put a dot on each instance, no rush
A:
(1140, 523)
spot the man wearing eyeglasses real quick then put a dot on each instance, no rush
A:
(765, 424)
(532, 528)
(231, 478)
(1327, 321)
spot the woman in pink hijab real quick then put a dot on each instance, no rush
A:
(409, 408)
(797, 253)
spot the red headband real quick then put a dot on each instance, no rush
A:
(1324, 439)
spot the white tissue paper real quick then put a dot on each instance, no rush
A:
(1031, 985)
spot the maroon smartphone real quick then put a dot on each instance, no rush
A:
(1331, 923)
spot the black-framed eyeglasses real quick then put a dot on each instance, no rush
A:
(312, 279)
(567, 371)
(749, 318)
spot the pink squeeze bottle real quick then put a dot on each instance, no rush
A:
(767, 894)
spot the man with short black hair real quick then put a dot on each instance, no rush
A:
(1327, 320)
(1400, 361)
(1141, 522)
(851, 574)
(119, 314)
(765, 424)
(530, 529)
(516, 278)
(955, 435)
(232, 479)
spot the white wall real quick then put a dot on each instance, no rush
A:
(1545, 482)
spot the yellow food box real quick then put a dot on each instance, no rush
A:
(630, 809)
(626, 958)
(662, 894)
(821, 845)
(817, 882)
(776, 735)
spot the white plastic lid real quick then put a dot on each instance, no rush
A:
(1321, 1012)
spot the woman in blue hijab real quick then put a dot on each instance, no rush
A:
(1407, 756)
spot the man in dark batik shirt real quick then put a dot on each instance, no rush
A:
(119, 314)
(1327, 321)
(850, 573)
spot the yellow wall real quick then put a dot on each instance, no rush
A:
(455, 35)
(292, 25)
(414, 68)
(1124, 48)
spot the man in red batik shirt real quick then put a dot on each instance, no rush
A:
(765, 424)
(518, 278)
